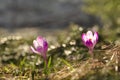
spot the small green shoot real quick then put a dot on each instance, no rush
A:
(68, 64)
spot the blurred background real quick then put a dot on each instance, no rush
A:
(24, 15)
(44, 14)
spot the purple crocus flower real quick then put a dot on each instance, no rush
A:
(40, 46)
(89, 39)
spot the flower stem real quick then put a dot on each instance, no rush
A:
(91, 53)
(46, 68)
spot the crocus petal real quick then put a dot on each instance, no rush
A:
(89, 35)
(95, 36)
(34, 50)
(39, 49)
(35, 43)
(89, 43)
(43, 43)
(40, 41)
(93, 42)
(42, 52)
(45, 46)
(84, 38)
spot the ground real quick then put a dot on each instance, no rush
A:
(70, 59)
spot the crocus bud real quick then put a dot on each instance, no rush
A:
(89, 39)
(40, 46)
